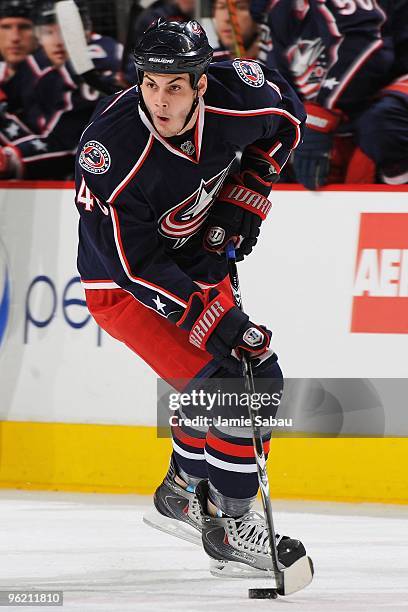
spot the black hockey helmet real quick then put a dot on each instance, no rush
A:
(45, 13)
(173, 47)
(17, 8)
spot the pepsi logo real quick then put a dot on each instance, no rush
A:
(94, 158)
(249, 72)
(4, 294)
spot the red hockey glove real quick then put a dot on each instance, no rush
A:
(217, 326)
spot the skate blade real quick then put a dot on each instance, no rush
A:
(297, 576)
(233, 569)
(181, 530)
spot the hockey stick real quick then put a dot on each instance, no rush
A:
(134, 13)
(238, 39)
(299, 574)
(73, 34)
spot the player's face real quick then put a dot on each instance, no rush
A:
(51, 40)
(16, 39)
(222, 22)
(169, 98)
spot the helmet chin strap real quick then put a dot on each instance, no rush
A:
(143, 106)
(191, 112)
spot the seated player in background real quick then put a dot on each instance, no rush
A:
(17, 41)
(382, 130)
(59, 104)
(338, 61)
(158, 202)
(238, 33)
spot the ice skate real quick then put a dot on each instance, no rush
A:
(176, 510)
(239, 547)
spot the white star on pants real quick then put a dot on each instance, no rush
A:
(39, 145)
(12, 130)
(159, 305)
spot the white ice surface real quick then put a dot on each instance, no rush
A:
(97, 550)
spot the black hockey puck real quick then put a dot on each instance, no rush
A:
(262, 593)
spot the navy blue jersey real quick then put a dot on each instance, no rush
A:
(332, 51)
(221, 54)
(59, 89)
(58, 107)
(263, 51)
(19, 85)
(397, 28)
(17, 88)
(143, 199)
(106, 53)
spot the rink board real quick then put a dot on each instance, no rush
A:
(126, 459)
(330, 275)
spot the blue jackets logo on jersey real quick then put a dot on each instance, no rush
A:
(308, 64)
(94, 158)
(185, 219)
(249, 72)
(197, 29)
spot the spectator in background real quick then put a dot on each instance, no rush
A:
(61, 104)
(172, 10)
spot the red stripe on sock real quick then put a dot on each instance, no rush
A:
(178, 434)
(235, 450)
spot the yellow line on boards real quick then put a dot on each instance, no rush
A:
(131, 459)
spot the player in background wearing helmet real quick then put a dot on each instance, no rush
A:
(17, 41)
(158, 201)
(17, 38)
(57, 104)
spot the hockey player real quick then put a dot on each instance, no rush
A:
(225, 30)
(338, 59)
(57, 105)
(249, 31)
(17, 41)
(382, 129)
(158, 202)
(17, 38)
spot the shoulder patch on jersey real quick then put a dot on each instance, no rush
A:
(249, 72)
(94, 158)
